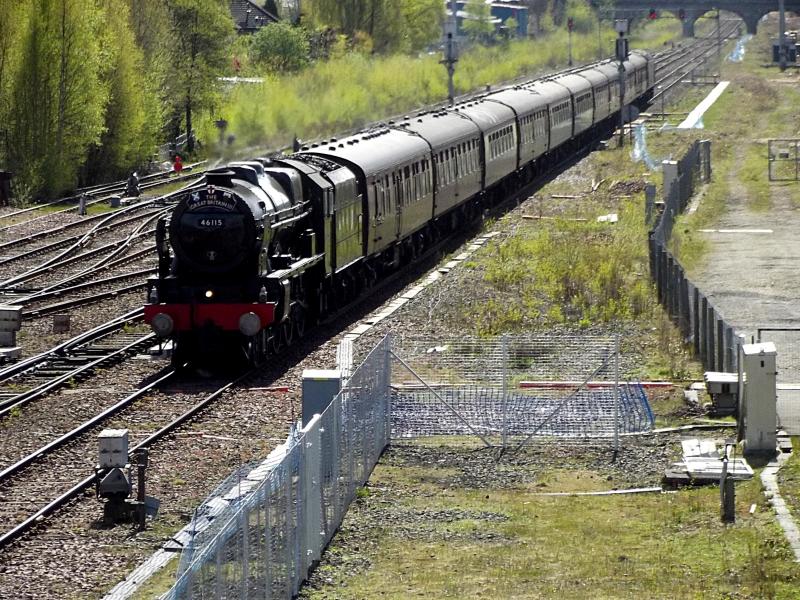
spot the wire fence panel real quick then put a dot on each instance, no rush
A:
(787, 344)
(508, 389)
(264, 529)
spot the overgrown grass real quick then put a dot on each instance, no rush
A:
(789, 479)
(638, 546)
(351, 91)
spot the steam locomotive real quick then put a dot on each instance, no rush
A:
(264, 247)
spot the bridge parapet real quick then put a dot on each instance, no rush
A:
(750, 11)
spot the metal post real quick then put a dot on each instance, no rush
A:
(719, 39)
(727, 491)
(387, 391)
(616, 393)
(140, 495)
(450, 50)
(504, 347)
(782, 35)
(621, 27)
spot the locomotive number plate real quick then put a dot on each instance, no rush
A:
(211, 223)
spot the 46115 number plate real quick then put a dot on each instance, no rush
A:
(211, 223)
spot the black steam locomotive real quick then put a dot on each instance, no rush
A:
(266, 246)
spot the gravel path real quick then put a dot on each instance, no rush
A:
(752, 278)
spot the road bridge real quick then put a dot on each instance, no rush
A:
(750, 11)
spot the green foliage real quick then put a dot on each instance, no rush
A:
(407, 25)
(479, 27)
(58, 95)
(422, 20)
(280, 48)
(568, 271)
(583, 17)
(132, 114)
(201, 33)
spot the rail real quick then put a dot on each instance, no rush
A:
(33, 520)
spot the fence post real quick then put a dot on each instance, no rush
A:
(696, 321)
(312, 456)
(729, 365)
(649, 202)
(686, 329)
(387, 388)
(720, 364)
(244, 529)
(662, 276)
(676, 290)
(709, 358)
(504, 350)
(705, 158)
(616, 393)
(668, 288)
(651, 242)
(267, 549)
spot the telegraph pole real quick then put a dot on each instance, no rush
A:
(450, 50)
(621, 26)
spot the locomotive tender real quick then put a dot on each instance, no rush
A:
(263, 247)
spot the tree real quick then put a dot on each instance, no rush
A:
(392, 25)
(422, 22)
(58, 97)
(202, 31)
(279, 47)
(479, 27)
(132, 117)
(12, 13)
(537, 10)
(511, 26)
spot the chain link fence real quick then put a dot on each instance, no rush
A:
(281, 515)
(265, 527)
(787, 343)
(514, 389)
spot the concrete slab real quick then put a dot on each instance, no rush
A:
(697, 114)
(413, 292)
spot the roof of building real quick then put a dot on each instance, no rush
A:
(249, 16)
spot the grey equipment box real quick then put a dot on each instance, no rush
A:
(724, 391)
(10, 323)
(320, 387)
(113, 449)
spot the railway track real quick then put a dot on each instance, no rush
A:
(16, 477)
(70, 361)
(77, 249)
(671, 69)
(73, 454)
(101, 193)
